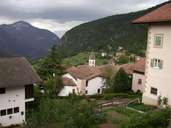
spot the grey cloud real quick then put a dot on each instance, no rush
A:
(62, 13)
(89, 9)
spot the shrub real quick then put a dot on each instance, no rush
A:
(123, 59)
(70, 113)
(142, 107)
(109, 96)
(122, 82)
(53, 86)
(96, 96)
(155, 119)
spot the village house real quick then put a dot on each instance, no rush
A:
(158, 62)
(84, 79)
(138, 76)
(136, 71)
(17, 79)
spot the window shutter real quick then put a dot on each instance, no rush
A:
(161, 64)
(152, 62)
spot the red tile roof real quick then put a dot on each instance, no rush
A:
(161, 14)
(139, 66)
(68, 82)
(84, 72)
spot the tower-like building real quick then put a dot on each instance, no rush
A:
(92, 60)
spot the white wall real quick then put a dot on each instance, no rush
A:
(94, 85)
(14, 97)
(160, 79)
(67, 90)
(135, 85)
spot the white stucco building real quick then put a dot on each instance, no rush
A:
(158, 63)
(83, 80)
(138, 78)
(16, 89)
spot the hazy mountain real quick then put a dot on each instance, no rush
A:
(22, 39)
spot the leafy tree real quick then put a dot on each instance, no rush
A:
(64, 113)
(109, 75)
(154, 119)
(122, 82)
(50, 65)
(53, 86)
(123, 59)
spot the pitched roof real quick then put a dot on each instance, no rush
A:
(68, 82)
(128, 68)
(139, 66)
(161, 14)
(16, 71)
(84, 72)
(105, 68)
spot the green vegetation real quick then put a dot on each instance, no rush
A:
(106, 34)
(50, 65)
(154, 119)
(141, 107)
(82, 58)
(122, 82)
(64, 113)
(123, 59)
(126, 112)
(118, 116)
(53, 86)
(121, 117)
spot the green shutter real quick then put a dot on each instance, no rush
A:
(152, 62)
(161, 64)
(158, 40)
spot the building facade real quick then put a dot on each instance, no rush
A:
(138, 78)
(84, 79)
(157, 75)
(16, 89)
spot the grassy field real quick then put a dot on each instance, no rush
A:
(82, 58)
(117, 116)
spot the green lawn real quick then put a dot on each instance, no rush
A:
(82, 58)
(142, 107)
(117, 116)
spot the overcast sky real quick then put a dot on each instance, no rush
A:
(61, 15)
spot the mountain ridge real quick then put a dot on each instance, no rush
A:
(23, 39)
(107, 34)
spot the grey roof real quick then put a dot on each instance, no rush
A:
(16, 71)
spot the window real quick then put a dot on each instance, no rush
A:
(86, 92)
(139, 81)
(16, 109)
(22, 113)
(153, 91)
(2, 90)
(73, 91)
(28, 91)
(87, 83)
(157, 63)
(3, 112)
(98, 91)
(9, 111)
(158, 40)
